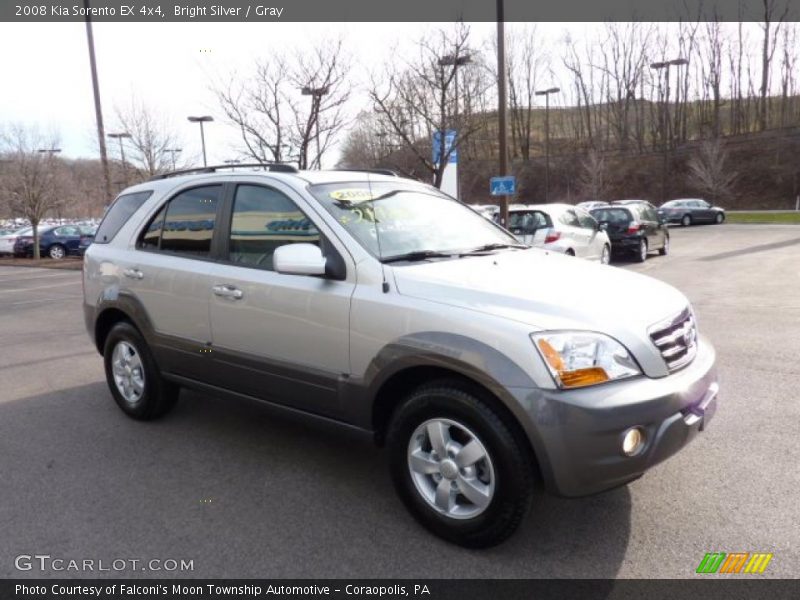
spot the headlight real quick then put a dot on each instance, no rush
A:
(578, 358)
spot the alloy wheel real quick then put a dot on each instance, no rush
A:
(451, 468)
(128, 372)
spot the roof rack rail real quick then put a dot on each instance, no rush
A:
(376, 171)
(269, 166)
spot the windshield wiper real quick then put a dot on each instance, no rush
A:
(419, 255)
(494, 246)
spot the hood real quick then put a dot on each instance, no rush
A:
(545, 290)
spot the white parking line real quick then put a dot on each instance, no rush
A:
(35, 276)
(40, 287)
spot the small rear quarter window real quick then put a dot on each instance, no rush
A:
(118, 214)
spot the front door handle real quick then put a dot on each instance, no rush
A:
(228, 291)
(133, 273)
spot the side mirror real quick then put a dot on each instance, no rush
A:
(299, 259)
(602, 225)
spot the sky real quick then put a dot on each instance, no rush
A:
(168, 66)
(171, 68)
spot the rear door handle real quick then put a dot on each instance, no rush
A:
(228, 291)
(133, 273)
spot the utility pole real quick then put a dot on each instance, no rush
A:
(455, 61)
(201, 120)
(501, 105)
(119, 136)
(173, 152)
(98, 111)
(316, 100)
(546, 93)
(666, 123)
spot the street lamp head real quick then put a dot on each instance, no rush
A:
(552, 90)
(309, 91)
(204, 119)
(50, 150)
(658, 65)
(679, 62)
(119, 135)
(454, 60)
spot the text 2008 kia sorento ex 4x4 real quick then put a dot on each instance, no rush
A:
(488, 368)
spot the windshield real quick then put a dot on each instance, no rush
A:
(410, 219)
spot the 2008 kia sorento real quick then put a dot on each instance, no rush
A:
(489, 369)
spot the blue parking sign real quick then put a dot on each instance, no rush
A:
(503, 186)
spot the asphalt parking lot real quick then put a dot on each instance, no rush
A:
(245, 492)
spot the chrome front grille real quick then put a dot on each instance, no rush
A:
(676, 339)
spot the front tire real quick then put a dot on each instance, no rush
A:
(686, 220)
(720, 218)
(605, 257)
(458, 468)
(56, 252)
(133, 377)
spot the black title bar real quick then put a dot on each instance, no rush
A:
(132, 11)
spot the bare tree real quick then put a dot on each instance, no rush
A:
(31, 179)
(152, 139)
(419, 100)
(593, 178)
(774, 14)
(292, 107)
(708, 172)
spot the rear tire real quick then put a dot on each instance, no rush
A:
(133, 377)
(435, 489)
(56, 252)
(570, 252)
(664, 250)
(686, 220)
(641, 253)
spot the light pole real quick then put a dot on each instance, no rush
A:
(173, 152)
(665, 121)
(98, 110)
(120, 136)
(501, 105)
(201, 120)
(546, 93)
(455, 61)
(316, 99)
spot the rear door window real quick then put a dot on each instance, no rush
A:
(570, 218)
(262, 220)
(118, 214)
(184, 225)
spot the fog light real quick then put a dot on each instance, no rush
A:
(632, 441)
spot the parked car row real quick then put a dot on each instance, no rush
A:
(55, 242)
(560, 228)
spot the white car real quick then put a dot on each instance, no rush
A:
(7, 241)
(561, 228)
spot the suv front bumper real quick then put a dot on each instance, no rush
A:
(580, 431)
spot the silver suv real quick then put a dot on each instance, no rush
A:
(488, 369)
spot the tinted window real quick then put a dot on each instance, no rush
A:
(189, 224)
(586, 220)
(151, 236)
(570, 218)
(264, 219)
(68, 230)
(527, 221)
(118, 214)
(614, 216)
